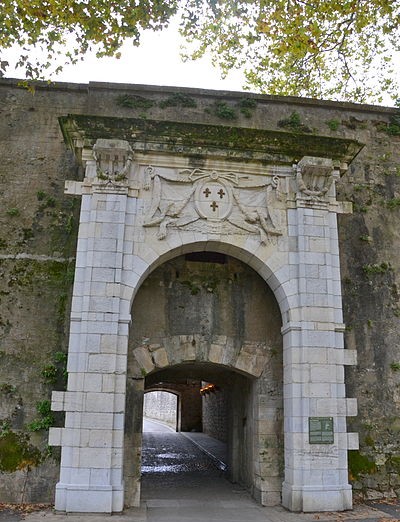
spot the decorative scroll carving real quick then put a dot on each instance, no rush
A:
(216, 202)
(113, 161)
(314, 177)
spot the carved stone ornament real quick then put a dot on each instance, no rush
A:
(314, 177)
(113, 161)
(213, 202)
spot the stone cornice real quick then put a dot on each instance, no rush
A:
(199, 140)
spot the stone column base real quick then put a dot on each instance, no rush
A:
(267, 498)
(132, 492)
(317, 498)
(87, 498)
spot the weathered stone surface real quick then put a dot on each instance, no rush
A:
(38, 230)
(160, 357)
(144, 359)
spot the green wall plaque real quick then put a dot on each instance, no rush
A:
(320, 430)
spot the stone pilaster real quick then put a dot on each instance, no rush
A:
(316, 476)
(91, 477)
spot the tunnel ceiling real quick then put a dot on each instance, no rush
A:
(188, 372)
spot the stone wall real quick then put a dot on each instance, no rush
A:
(215, 413)
(160, 405)
(38, 240)
(190, 412)
(38, 228)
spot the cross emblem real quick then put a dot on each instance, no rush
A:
(214, 206)
(207, 192)
(221, 193)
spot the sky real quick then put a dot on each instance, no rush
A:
(155, 62)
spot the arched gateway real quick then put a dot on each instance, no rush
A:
(154, 191)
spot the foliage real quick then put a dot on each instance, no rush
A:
(47, 201)
(5, 427)
(326, 48)
(178, 99)
(247, 105)
(293, 123)
(134, 102)
(394, 125)
(45, 419)
(376, 268)
(49, 374)
(57, 370)
(393, 203)
(14, 211)
(323, 49)
(68, 29)
(7, 389)
(333, 124)
(222, 110)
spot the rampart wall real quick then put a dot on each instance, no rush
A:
(38, 230)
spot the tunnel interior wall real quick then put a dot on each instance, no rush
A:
(215, 414)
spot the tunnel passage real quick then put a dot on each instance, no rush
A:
(231, 422)
(209, 318)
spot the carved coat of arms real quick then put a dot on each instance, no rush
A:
(216, 202)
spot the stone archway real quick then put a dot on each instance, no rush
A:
(145, 202)
(210, 317)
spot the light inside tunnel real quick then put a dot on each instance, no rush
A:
(209, 388)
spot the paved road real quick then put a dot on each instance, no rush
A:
(181, 484)
(150, 425)
(168, 458)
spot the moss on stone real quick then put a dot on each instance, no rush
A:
(360, 465)
(169, 136)
(27, 272)
(394, 463)
(17, 453)
(133, 101)
(333, 124)
(247, 106)
(369, 441)
(293, 123)
(222, 110)
(393, 128)
(178, 99)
